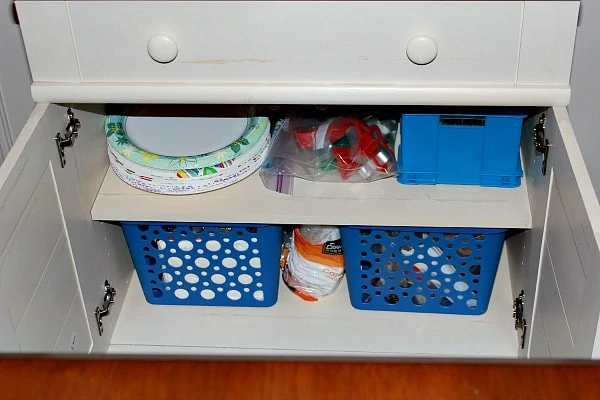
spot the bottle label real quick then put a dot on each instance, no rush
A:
(333, 247)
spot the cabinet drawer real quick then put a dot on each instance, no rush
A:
(354, 52)
(324, 42)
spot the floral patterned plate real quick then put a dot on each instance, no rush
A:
(116, 133)
(190, 174)
(189, 186)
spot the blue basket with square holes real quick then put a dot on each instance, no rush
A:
(429, 270)
(203, 264)
(461, 149)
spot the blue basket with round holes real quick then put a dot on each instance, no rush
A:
(201, 264)
(429, 270)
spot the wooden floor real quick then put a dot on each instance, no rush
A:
(147, 379)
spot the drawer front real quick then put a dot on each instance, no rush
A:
(297, 42)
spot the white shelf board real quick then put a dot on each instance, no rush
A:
(384, 202)
(547, 94)
(330, 328)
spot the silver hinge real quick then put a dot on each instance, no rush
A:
(68, 139)
(520, 321)
(542, 145)
(104, 309)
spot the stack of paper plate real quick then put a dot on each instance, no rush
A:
(175, 155)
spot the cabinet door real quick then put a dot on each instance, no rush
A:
(524, 248)
(8, 337)
(99, 248)
(38, 282)
(52, 262)
(568, 299)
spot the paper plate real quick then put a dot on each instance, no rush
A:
(181, 136)
(194, 173)
(244, 131)
(190, 185)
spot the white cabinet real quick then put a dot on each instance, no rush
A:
(552, 226)
(58, 245)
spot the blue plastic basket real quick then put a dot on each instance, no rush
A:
(206, 264)
(429, 270)
(461, 149)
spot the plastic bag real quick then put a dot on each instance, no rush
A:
(338, 149)
(314, 263)
(319, 234)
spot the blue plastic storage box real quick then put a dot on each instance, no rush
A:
(206, 264)
(429, 270)
(460, 149)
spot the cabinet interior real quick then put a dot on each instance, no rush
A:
(331, 327)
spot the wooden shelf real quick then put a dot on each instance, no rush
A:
(384, 202)
(329, 328)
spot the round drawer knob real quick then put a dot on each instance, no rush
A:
(162, 48)
(421, 50)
